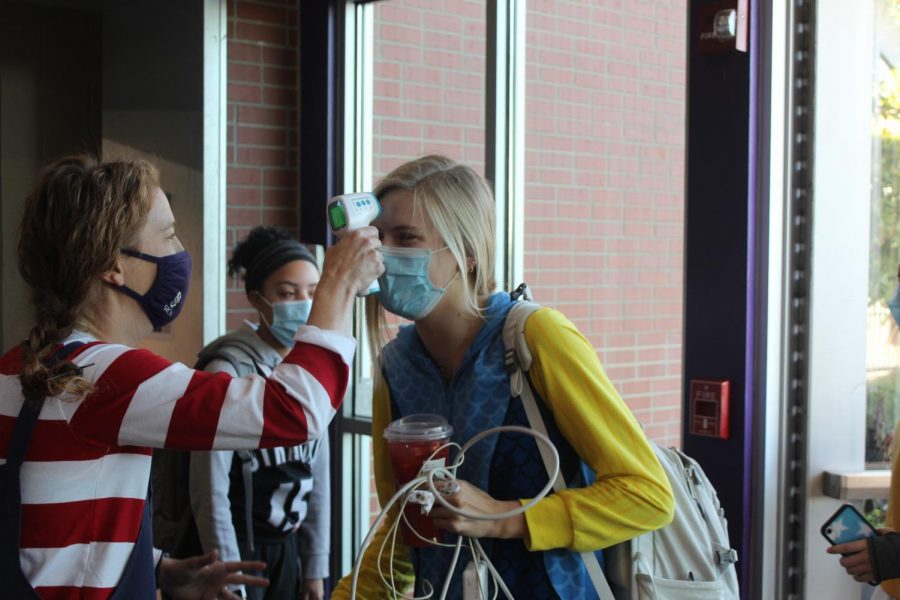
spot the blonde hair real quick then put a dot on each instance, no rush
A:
(80, 214)
(460, 206)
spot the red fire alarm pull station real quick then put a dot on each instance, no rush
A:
(709, 407)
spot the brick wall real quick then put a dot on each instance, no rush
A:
(263, 181)
(604, 154)
(604, 187)
(429, 81)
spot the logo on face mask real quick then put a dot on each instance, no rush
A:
(170, 307)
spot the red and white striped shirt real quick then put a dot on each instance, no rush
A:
(85, 476)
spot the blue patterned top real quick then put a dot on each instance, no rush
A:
(508, 466)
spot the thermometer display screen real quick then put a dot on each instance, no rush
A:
(337, 216)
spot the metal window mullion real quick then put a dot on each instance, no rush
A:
(357, 176)
(360, 146)
(515, 258)
(505, 133)
(215, 50)
(799, 230)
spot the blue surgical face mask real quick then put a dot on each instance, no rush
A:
(287, 317)
(406, 288)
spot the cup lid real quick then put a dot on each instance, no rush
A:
(418, 428)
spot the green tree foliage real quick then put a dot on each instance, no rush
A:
(881, 414)
(885, 240)
(884, 255)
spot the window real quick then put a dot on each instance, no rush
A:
(581, 132)
(415, 84)
(882, 332)
(839, 144)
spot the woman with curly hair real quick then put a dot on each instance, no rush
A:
(82, 407)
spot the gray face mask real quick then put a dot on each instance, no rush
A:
(406, 288)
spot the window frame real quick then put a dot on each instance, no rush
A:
(504, 171)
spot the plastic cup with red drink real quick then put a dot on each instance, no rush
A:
(412, 441)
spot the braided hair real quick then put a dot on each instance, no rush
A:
(75, 221)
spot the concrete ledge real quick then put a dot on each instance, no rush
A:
(862, 485)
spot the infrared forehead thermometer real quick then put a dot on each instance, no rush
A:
(350, 212)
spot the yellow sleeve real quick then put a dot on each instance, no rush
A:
(369, 584)
(631, 494)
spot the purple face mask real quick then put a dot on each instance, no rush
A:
(164, 299)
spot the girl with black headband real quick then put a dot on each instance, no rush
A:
(271, 504)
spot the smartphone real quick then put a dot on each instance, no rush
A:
(847, 525)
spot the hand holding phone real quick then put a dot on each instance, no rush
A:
(847, 525)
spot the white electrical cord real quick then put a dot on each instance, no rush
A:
(511, 513)
(478, 554)
(392, 532)
(497, 579)
(447, 579)
(375, 526)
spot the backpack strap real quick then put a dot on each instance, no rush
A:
(30, 411)
(14, 580)
(247, 476)
(517, 356)
(518, 360)
(695, 477)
